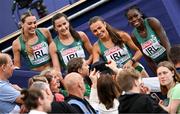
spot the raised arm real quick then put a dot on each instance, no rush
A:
(158, 28)
(127, 40)
(175, 100)
(16, 53)
(54, 56)
(151, 64)
(174, 106)
(96, 52)
(87, 45)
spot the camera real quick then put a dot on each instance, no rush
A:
(155, 97)
(101, 67)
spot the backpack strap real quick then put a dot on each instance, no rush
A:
(81, 105)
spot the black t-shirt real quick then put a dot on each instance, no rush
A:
(62, 107)
(138, 103)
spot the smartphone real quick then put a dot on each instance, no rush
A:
(156, 97)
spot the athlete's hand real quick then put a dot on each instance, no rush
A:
(128, 65)
(112, 65)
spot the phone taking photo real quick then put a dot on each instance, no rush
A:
(156, 97)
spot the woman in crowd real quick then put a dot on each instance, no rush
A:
(113, 44)
(149, 36)
(54, 79)
(55, 87)
(169, 83)
(57, 75)
(32, 44)
(68, 43)
(104, 93)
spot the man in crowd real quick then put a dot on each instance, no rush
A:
(9, 94)
(74, 84)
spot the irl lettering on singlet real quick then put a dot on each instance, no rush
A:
(119, 55)
(71, 53)
(40, 54)
(153, 48)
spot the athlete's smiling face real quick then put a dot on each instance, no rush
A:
(29, 25)
(98, 28)
(62, 26)
(134, 17)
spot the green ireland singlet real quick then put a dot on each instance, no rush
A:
(40, 49)
(67, 52)
(119, 54)
(151, 44)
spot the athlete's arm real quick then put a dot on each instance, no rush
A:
(54, 56)
(16, 53)
(174, 105)
(150, 62)
(96, 52)
(158, 28)
(87, 45)
(127, 40)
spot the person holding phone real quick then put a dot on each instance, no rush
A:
(169, 81)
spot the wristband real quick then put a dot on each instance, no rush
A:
(133, 61)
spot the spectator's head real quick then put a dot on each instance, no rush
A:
(42, 86)
(54, 77)
(167, 75)
(6, 66)
(53, 82)
(78, 65)
(107, 90)
(129, 80)
(74, 84)
(38, 97)
(58, 76)
(174, 55)
(35, 79)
